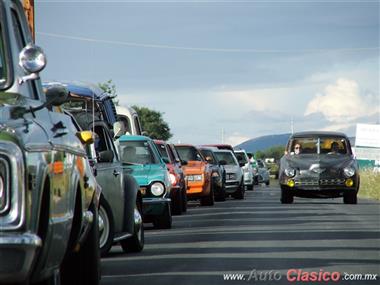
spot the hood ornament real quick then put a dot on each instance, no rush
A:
(316, 168)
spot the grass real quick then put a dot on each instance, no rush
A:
(369, 184)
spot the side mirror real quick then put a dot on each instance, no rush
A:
(32, 59)
(222, 162)
(105, 156)
(208, 159)
(86, 137)
(56, 95)
(241, 164)
(183, 162)
(119, 129)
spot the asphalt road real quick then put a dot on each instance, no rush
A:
(259, 238)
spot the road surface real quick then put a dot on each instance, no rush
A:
(255, 240)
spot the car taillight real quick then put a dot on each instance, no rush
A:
(4, 189)
(173, 179)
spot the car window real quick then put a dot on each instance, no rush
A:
(188, 153)
(316, 145)
(139, 152)
(208, 153)
(82, 110)
(162, 149)
(241, 157)
(228, 157)
(3, 73)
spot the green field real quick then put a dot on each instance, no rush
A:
(369, 184)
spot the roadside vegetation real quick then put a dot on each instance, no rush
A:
(369, 184)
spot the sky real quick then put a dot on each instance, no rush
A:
(224, 71)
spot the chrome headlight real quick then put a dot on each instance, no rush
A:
(349, 171)
(172, 178)
(157, 189)
(290, 172)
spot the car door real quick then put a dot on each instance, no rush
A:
(109, 173)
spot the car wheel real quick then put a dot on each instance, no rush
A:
(250, 187)
(164, 221)
(184, 200)
(267, 183)
(135, 243)
(350, 198)
(209, 199)
(177, 203)
(221, 197)
(83, 267)
(286, 197)
(239, 194)
(106, 227)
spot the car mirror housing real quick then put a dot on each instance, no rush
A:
(56, 95)
(86, 137)
(105, 156)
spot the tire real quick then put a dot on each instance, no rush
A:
(177, 203)
(107, 234)
(250, 187)
(239, 194)
(267, 183)
(350, 198)
(164, 221)
(286, 197)
(209, 199)
(83, 267)
(136, 242)
(221, 197)
(184, 200)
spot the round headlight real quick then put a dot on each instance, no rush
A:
(290, 172)
(173, 179)
(157, 189)
(349, 171)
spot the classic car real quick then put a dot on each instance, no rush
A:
(198, 174)
(263, 172)
(130, 119)
(319, 164)
(140, 158)
(234, 174)
(48, 206)
(119, 221)
(242, 157)
(176, 175)
(218, 173)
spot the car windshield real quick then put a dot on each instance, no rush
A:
(137, 152)
(228, 157)
(188, 153)
(162, 150)
(3, 73)
(260, 164)
(208, 154)
(241, 157)
(319, 145)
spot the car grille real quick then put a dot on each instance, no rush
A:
(230, 176)
(316, 182)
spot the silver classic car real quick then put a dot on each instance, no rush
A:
(319, 164)
(48, 197)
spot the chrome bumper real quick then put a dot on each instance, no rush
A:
(17, 253)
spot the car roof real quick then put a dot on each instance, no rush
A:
(212, 148)
(224, 150)
(81, 89)
(125, 138)
(159, 141)
(318, 134)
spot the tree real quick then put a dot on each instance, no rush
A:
(153, 123)
(110, 88)
(275, 152)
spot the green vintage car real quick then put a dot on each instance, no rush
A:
(141, 158)
(48, 195)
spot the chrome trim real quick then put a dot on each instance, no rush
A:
(27, 239)
(15, 217)
(7, 186)
(124, 236)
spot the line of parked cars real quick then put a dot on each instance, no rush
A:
(77, 176)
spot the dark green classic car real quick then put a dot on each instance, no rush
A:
(48, 196)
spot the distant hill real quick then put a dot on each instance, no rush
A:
(264, 142)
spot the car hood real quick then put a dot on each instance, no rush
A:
(304, 162)
(194, 167)
(147, 173)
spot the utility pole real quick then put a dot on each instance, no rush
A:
(222, 135)
(29, 12)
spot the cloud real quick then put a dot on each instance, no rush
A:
(343, 102)
(235, 139)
